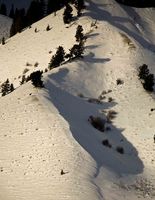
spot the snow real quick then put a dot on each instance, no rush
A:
(44, 131)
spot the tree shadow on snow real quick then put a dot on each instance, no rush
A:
(76, 112)
(97, 12)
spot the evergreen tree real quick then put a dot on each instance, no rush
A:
(11, 87)
(58, 58)
(143, 71)
(35, 12)
(79, 34)
(23, 80)
(77, 51)
(35, 77)
(19, 22)
(149, 82)
(3, 40)
(79, 4)
(67, 15)
(5, 88)
(3, 9)
(147, 78)
(42, 8)
(12, 12)
(53, 6)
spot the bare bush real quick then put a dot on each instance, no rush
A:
(106, 143)
(111, 115)
(97, 122)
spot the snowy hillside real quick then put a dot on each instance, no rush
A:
(5, 25)
(45, 132)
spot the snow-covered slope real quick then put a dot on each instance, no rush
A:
(46, 131)
(5, 25)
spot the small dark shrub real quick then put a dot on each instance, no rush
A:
(25, 70)
(110, 99)
(23, 80)
(28, 64)
(120, 150)
(106, 143)
(108, 128)
(35, 77)
(48, 28)
(46, 70)
(36, 64)
(3, 41)
(27, 78)
(93, 100)
(35, 30)
(97, 122)
(81, 95)
(111, 115)
(119, 81)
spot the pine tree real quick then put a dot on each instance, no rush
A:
(53, 6)
(3, 9)
(79, 4)
(11, 87)
(23, 80)
(19, 22)
(143, 71)
(79, 34)
(3, 40)
(5, 88)
(58, 58)
(12, 12)
(149, 82)
(77, 51)
(35, 77)
(67, 15)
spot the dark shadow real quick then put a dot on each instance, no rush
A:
(91, 47)
(91, 57)
(138, 3)
(89, 35)
(76, 112)
(98, 12)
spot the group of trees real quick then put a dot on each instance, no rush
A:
(22, 19)
(38, 9)
(67, 15)
(75, 52)
(6, 87)
(3, 9)
(146, 77)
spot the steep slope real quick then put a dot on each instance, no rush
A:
(46, 131)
